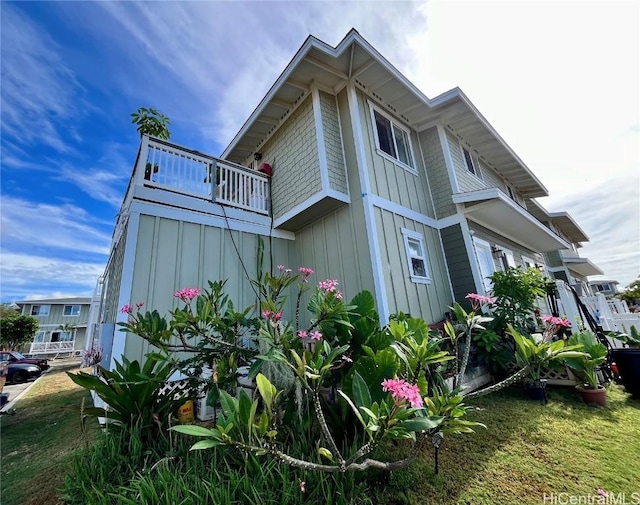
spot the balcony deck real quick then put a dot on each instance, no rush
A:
(169, 167)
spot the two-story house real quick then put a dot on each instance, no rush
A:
(344, 166)
(566, 264)
(62, 325)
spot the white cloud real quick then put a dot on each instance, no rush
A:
(38, 89)
(66, 228)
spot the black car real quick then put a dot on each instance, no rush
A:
(22, 372)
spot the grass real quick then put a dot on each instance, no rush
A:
(39, 440)
(529, 450)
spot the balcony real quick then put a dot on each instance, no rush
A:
(169, 167)
(66, 346)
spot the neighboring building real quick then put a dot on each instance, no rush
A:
(62, 325)
(566, 264)
(605, 287)
(417, 200)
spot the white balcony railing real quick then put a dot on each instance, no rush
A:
(170, 167)
(51, 347)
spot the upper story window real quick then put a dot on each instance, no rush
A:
(470, 162)
(71, 310)
(40, 310)
(416, 256)
(392, 139)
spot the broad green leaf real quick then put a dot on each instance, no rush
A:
(266, 389)
(353, 407)
(204, 444)
(421, 423)
(361, 394)
(196, 431)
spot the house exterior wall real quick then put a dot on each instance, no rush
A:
(466, 180)
(429, 301)
(437, 173)
(293, 154)
(458, 262)
(333, 143)
(113, 277)
(553, 259)
(504, 243)
(172, 254)
(388, 179)
(56, 317)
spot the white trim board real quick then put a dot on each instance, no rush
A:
(396, 208)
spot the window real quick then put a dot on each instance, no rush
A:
(416, 256)
(71, 310)
(392, 139)
(40, 310)
(470, 162)
(485, 262)
(508, 261)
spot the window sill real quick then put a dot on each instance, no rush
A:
(420, 280)
(397, 162)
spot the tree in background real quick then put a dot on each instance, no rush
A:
(16, 330)
(151, 122)
(631, 293)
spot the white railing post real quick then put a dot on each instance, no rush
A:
(142, 161)
(213, 179)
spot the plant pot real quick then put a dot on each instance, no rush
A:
(628, 362)
(594, 396)
(537, 390)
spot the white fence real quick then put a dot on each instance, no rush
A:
(173, 168)
(612, 315)
(52, 347)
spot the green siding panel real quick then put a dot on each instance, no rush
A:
(458, 262)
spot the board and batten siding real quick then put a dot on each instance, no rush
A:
(388, 179)
(458, 262)
(437, 172)
(428, 301)
(466, 180)
(293, 154)
(504, 243)
(333, 143)
(55, 316)
(172, 254)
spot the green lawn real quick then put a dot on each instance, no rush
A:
(529, 450)
(38, 441)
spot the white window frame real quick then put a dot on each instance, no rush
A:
(483, 248)
(475, 165)
(419, 238)
(409, 168)
(43, 310)
(509, 259)
(71, 314)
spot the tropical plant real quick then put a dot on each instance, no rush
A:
(151, 122)
(493, 351)
(593, 354)
(133, 393)
(16, 330)
(516, 291)
(631, 339)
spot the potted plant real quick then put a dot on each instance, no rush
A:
(593, 355)
(627, 361)
(536, 351)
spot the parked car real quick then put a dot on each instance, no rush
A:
(16, 357)
(22, 372)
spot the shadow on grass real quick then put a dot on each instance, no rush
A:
(520, 454)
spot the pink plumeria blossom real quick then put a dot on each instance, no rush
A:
(303, 334)
(267, 314)
(305, 272)
(187, 294)
(316, 335)
(402, 390)
(339, 295)
(557, 321)
(277, 316)
(478, 301)
(127, 309)
(281, 267)
(328, 286)
(139, 305)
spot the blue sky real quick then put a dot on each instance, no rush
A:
(558, 80)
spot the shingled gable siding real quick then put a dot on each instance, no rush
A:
(293, 154)
(457, 262)
(333, 143)
(172, 254)
(493, 180)
(466, 180)
(437, 172)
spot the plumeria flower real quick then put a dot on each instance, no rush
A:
(277, 316)
(305, 272)
(303, 334)
(267, 314)
(126, 309)
(187, 294)
(478, 301)
(316, 335)
(557, 321)
(328, 286)
(139, 305)
(302, 485)
(281, 267)
(402, 390)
